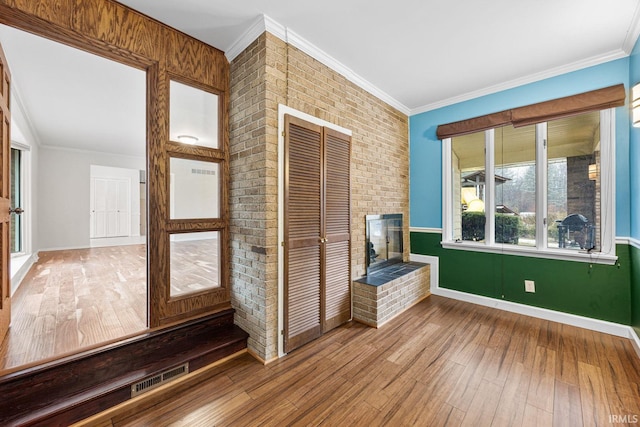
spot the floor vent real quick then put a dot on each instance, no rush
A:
(157, 380)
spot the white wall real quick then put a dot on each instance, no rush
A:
(23, 136)
(64, 190)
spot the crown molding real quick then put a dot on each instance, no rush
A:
(304, 45)
(632, 33)
(253, 32)
(264, 23)
(532, 78)
(17, 98)
(275, 28)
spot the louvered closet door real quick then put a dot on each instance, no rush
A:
(302, 310)
(337, 289)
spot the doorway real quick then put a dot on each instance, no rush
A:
(74, 113)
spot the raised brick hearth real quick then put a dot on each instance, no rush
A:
(379, 297)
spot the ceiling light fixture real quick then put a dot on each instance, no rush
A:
(635, 105)
(188, 139)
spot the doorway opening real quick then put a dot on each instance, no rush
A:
(78, 137)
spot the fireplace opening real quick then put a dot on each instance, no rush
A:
(383, 241)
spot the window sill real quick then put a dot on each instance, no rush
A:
(562, 255)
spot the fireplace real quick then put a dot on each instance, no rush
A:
(383, 241)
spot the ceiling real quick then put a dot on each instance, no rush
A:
(416, 55)
(424, 53)
(73, 99)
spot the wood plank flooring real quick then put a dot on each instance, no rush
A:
(443, 362)
(74, 299)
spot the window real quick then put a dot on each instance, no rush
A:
(542, 190)
(17, 238)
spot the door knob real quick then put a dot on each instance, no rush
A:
(16, 211)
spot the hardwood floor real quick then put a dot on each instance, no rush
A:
(194, 266)
(74, 299)
(443, 362)
(71, 300)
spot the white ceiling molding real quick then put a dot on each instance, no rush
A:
(91, 152)
(532, 78)
(243, 42)
(633, 33)
(275, 28)
(264, 23)
(316, 53)
(17, 99)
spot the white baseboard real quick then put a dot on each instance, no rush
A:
(117, 241)
(20, 270)
(541, 313)
(635, 340)
(527, 310)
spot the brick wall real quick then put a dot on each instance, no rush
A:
(376, 305)
(267, 73)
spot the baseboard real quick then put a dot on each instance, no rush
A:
(541, 313)
(117, 241)
(635, 340)
(258, 358)
(19, 274)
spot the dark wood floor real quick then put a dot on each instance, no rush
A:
(443, 362)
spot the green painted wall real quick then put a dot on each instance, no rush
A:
(592, 290)
(635, 288)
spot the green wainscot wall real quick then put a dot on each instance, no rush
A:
(587, 289)
(635, 288)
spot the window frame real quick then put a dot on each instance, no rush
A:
(607, 253)
(25, 199)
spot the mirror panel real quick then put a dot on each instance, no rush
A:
(79, 130)
(194, 189)
(193, 115)
(195, 259)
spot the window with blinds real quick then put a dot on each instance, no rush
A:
(536, 180)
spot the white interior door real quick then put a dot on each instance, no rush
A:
(110, 210)
(98, 208)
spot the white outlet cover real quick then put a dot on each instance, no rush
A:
(529, 286)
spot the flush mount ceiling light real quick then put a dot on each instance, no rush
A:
(635, 105)
(188, 139)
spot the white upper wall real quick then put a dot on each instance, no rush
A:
(64, 194)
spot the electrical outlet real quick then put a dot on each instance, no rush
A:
(529, 286)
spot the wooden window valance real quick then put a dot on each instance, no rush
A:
(599, 99)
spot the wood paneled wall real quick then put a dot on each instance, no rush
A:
(111, 30)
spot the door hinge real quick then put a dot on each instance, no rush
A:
(282, 332)
(284, 133)
(282, 243)
(544, 143)
(544, 221)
